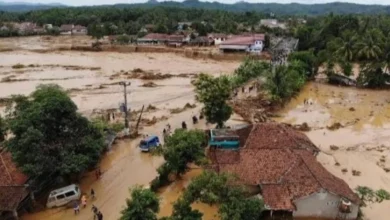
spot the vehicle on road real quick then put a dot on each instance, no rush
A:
(63, 196)
(148, 143)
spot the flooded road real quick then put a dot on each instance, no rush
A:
(363, 139)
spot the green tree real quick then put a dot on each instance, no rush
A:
(183, 147)
(143, 205)
(284, 82)
(248, 70)
(369, 47)
(96, 31)
(182, 211)
(212, 188)
(382, 195)
(213, 93)
(49, 136)
(310, 60)
(347, 45)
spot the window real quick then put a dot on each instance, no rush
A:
(62, 196)
(70, 193)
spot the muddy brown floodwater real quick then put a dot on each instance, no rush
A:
(90, 80)
(363, 139)
(363, 135)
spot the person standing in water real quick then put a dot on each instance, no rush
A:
(92, 193)
(76, 208)
(84, 201)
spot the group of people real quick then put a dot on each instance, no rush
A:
(76, 206)
(167, 130)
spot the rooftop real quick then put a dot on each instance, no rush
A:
(244, 40)
(281, 161)
(10, 174)
(11, 196)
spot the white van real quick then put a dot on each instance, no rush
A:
(63, 196)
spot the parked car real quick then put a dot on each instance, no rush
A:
(63, 196)
(149, 142)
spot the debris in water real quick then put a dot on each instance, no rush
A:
(356, 173)
(334, 126)
(179, 110)
(151, 108)
(302, 127)
(149, 84)
(344, 170)
(334, 147)
(352, 109)
(337, 164)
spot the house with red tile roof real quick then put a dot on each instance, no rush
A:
(66, 29)
(244, 43)
(278, 164)
(13, 192)
(79, 30)
(153, 38)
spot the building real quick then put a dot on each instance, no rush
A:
(153, 38)
(201, 41)
(14, 195)
(248, 43)
(177, 40)
(79, 30)
(66, 29)
(217, 38)
(278, 164)
(272, 23)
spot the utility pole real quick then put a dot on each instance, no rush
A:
(125, 84)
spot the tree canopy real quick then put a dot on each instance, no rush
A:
(143, 205)
(49, 136)
(214, 93)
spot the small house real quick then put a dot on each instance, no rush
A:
(217, 38)
(79, 30)
(183, 25)
(66, 29)
(251, 44)
(176, 40)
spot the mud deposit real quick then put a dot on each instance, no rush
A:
(362, 138)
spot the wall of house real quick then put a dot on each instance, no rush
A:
(218, 41)
(322, 205)
(257, 47)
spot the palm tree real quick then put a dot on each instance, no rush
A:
(347, 45)
(369, 48)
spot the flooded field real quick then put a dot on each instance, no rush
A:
(356, 121)
(362, 138)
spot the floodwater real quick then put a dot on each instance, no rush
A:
(90, 83)
(363, 139)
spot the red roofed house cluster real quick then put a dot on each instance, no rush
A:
(13, 192)
(279, 165)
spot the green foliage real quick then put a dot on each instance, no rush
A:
(182, 211)
(183, 147)
(365, 193)
(144, 204)
(212, 188)
(103, 125)
(284, 82)
(3, 129)
(123, 39)
(372, 75)
(382, 195)
(213, 93)
(96, 31)
(308, 60)
(49, 136)
(248, 70)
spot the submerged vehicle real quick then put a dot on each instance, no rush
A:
(63, 196)
(149, 142)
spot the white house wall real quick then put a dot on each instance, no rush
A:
(321, 205)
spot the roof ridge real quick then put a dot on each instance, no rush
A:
(295, 165)
(310, 171)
